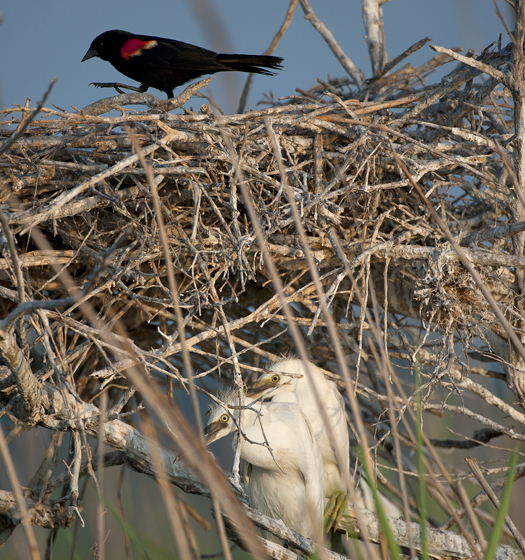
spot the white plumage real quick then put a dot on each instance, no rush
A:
(283, 387)
(287, 483)
(287, 381)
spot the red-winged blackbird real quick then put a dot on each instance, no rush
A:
(165, 64)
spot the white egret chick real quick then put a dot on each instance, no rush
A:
(285, 480)
(286, 381)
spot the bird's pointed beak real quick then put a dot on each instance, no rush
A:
(211, 431)
(255, 390)
(214, 430)
(90, 54)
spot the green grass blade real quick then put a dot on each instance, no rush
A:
(393, 547)
(495, 534)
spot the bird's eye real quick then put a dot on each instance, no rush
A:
(224, 419)
(275, 378)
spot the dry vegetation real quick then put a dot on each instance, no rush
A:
(91, 307)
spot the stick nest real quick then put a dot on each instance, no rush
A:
(76, 176)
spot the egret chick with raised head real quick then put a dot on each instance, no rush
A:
(284, 474)
(287, 381)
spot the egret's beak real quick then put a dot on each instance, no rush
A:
(211, 431)
(92, 53)
(255, 390)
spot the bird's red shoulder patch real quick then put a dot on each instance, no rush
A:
(134, 47)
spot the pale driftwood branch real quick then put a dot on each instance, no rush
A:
(483, 68)
(490, 234)
(464, 411)
(396, 60)
(43, 515)
(373, 21)
(32, 398)
(440, 543)
(326, 34)
(118, 101)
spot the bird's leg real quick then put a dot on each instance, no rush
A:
(116, 85)
(335, 510)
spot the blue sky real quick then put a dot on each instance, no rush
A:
(42, 39)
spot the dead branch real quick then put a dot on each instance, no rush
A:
(294, 220)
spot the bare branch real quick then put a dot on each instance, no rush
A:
(474, 467)
(27, 121)
(148, 99)
(484, 68)
(326, 34)
(374, 30)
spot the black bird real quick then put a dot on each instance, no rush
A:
(165, 64)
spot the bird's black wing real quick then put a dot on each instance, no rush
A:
(170, 54)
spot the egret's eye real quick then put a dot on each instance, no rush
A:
(275, 378)
(224, 419)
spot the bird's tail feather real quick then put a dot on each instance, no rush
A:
(251, 63)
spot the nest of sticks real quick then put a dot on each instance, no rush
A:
(97, 202)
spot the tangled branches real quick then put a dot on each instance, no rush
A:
(86, 272)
